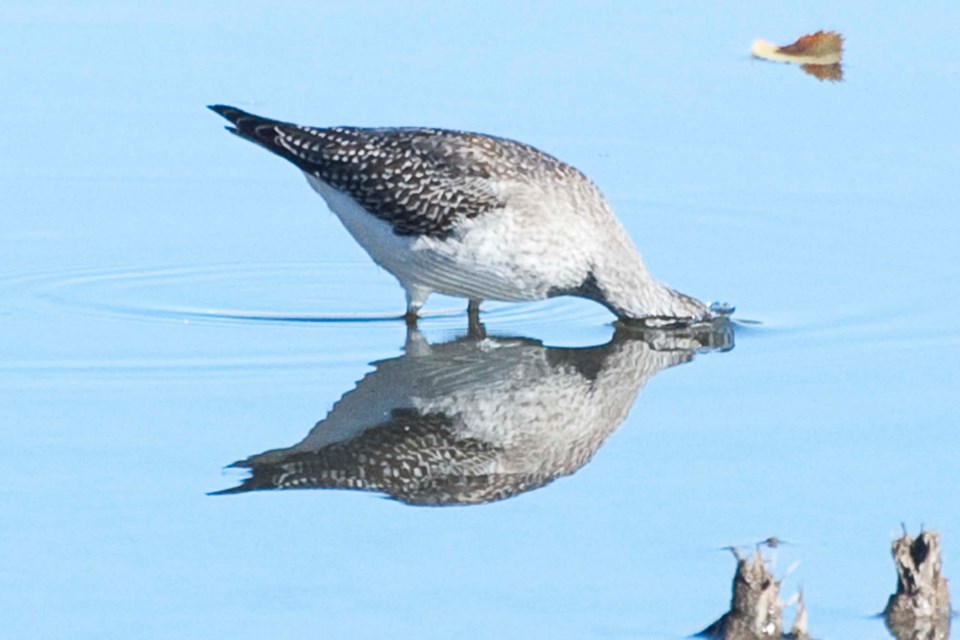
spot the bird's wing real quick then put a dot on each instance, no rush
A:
(413, 457)
(420, 181)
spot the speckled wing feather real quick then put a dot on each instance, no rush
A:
(420, 181)
(415, 458)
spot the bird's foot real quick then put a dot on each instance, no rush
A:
(475, 328)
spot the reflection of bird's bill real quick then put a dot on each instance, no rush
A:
(478, 419)
(715, 334)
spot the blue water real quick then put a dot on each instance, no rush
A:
(172, 300)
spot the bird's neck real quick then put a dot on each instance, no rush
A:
(630, 292)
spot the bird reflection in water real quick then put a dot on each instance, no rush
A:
(478, 419)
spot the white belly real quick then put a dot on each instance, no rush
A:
(489, 258)
(387, 249)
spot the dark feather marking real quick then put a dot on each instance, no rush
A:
(413, 457)
(420, 181)
(589, 289)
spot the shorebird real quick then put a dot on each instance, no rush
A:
(472, 216)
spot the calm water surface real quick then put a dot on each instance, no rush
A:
(173, 300)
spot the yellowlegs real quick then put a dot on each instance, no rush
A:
(472, 216)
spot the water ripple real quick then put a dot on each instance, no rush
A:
(66, 316)
(294, 292)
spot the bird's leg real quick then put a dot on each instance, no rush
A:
(411, 317)
(415, 299)
(475, 328)
(415, 345)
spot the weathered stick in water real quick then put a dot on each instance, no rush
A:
(756, 611)
(921, 606)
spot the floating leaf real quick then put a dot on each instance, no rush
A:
(822, 44)
(819, 54)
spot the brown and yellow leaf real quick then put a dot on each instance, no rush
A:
(819, 44)
(820, 48)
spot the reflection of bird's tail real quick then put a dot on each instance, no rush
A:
(223, 492)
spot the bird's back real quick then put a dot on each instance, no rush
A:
(421, 181)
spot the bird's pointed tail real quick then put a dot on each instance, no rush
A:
(262, 131)
(244, 124)
(282, 138)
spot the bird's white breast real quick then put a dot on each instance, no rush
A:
(500, 255)
(390, 251)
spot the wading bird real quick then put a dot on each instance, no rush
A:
(472, 216)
